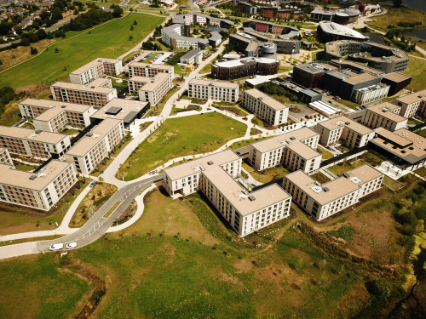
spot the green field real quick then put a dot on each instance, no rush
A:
(417, 69)
(106, 41)
(181, 137)
(396, 15)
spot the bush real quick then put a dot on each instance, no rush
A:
(34, 51)
(380, 288)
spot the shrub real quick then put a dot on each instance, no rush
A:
(380, 288)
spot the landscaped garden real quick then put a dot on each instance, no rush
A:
(267, 175)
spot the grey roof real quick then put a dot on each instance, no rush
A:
(179, 19)
(215, 36)
(214, 29)
(113, 110)
(170, 31)
(310, 92)
(130, 117)
(191, 54)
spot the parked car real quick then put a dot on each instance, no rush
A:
(358, 108)
(71, 245)
(56, 247)
(92, 184)
(177, 84)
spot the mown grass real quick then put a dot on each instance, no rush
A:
(325, 154)
(244, 143)
(416, 68)
(112, 209)
(395, 15)
(206, 69)
(266, 175)
(320, 177)
(107, 41)
(181, 137)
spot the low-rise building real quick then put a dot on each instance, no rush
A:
(265, 107)
(343, 130)
(322, 201)
(5, 157)
(215, 39)
(54, 116)
(96, 69)
(214, 176)
(192, 57)
(397, 81)
(213, 90)
(384, 115)
(341, 16)
(40, 190)
(97, 93)
(295, 150)
(33, 143)
(235, 69)
(151, 90)
(412, 104)
(87, 153)
(149, 70)
(330, 31)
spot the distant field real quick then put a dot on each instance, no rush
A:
(417, 69)
(396, 15)
(107, 41)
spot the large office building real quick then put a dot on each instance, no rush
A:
(268, 27)
(295, 150)
(40, 190)
(397, 81)
(310, 74)
(341, 16)
(375, 55)
(149, 70)
(384, 115)
(322, 201)
(97, 93)
(234, 69)
(330, 31)
(412, 104)
(214, 176)
(33, 143)
(56, 116)
(96, 69)
(172, 37)
(213, 90)
(342, 130)
(265, 107)
(153, 89)
(87, 153)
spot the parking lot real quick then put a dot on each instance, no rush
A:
(162, 58)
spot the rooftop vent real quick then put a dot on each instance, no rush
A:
(347, 123)
(385, 110)
(42, 175)
(92, 87)
(38, 131)
(210, 162)
(317, 189)
(90, 134)
(252, 198)
(346, 174)
(63, 106)
(356, 180)
(326, 189)
(292, 138)
(33, 177)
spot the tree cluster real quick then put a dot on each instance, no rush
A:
(7, 94)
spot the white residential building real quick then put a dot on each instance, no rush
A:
(96, 69)
(213, 90)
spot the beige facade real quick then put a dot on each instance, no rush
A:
(295, 150)
(87, 153)
(151, 90)
(322, 201)
(342, 130)
(384, 115)
(265, 107)
(5, 157)
(36, 190)
(96, 69)
(213, 90)
(149, 70)
(33, 143)
(412, 104)
(214, 176)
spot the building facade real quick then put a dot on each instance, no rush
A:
(96, 69)
(384, 115)
(412, 104)
(192, 57)
(235, 69)
(149, 70)
(213, 90)
(151, 90)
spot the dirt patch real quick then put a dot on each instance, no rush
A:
(244, 265)
(154, 136)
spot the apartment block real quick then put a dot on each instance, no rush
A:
(5, 157)
(214, 176)
(213, 90)
(296, 150)
(151, 90)
(265, 107)
(96, 69)
(36, 190)
(33, 143)
(384, 115)
(343, 130)
(149, 70)
(125, 110)
(412, 104)
(322, 201)
(97, 93)
(87, 153)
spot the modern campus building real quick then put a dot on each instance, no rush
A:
(310, 74)
(397, 81)
(151, 90)
(96, 69)
(97, 93)
(213, 90)
(375, 55)
(149, 70)
(276, 12)
(247, 7)
(322, 201)
(295, 150)
(192, 57)
(234, 69)
(172, 37)
(268, 27)
(193, 17)
(214, 176)
(412, 104)
(384, 115)
(341, 16)
(56, 116)
(330, 31)
(87, 153)
(403, 147)
(342, 130)
(33, 143)
(36, 190)
(265, 107)
(125, 110)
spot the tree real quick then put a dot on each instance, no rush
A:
(130, 38)
(1, 62)
(135, 22)
(76, 12)
(131, 28)
(380, 288)
(56, 50)
(34, 51)
(397, 3)
(117, 12)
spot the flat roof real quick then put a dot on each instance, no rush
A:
(358, 66)
(338, 29)
(14, 177)
(92, 64)
(316, 67)
(271, 102)
(191, 54)
(379, 109)
(240, 62)
(395, 138)
(93, 86)
(360, 78)
(83, 146)
(126, 108)
(215, 83)
(150, 84)
(396, 76)
(30, 134)
(135, 63)
(55, 108)
(342, 121)
(412, 97)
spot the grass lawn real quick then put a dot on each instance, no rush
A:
(112, 209)
(417, 69)
(206, 69)
(325, 154)
(413, 121)
(190, 107)
(181, 137)
(107, 41)
(266, 175)
(350, 104)
(391, 184)
(98, 195)
(244, 143)
(421, 171)
(396, 15)
(283, 68)
(25, 167)
(371, 159)
(230, 107)
(317, 55)
(343, 148)
(181, 71)
(18, 219)
(70, 131)
(421, 132)
(341, 168)
(156, 109)
(320, 177)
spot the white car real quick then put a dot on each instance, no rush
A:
(71, 245)
(56, 247)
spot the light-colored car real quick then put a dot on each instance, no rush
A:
(71, 245)
(56, 247)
